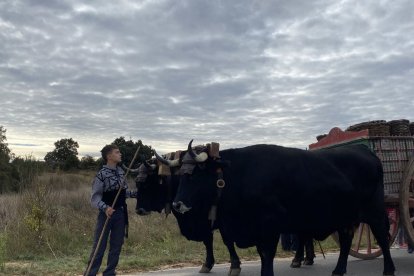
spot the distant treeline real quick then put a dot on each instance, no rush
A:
(16, 172)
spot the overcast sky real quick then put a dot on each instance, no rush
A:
(167, 71)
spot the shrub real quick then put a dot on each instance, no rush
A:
(2, 251)
(28, 169)
(88, 163)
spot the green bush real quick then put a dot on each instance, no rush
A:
(28, 169)
(2, 251)
(88, 163)
(9, 176)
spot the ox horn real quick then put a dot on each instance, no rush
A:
(149, 166)
(169, 163)
(199, 158)
(131, 170)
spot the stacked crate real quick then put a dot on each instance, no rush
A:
(393, 151)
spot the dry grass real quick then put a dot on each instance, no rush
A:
(8, 209)
(48, 230)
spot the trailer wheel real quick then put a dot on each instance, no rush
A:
(407, 201)
(364, 245)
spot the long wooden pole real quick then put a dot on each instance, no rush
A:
(108, 218)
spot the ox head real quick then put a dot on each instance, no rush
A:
(198, 175)
(151, 195)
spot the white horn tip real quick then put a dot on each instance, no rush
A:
(201, 157)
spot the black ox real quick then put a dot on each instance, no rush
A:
(267, 190)
(156, 193)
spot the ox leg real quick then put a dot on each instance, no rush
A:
(381, 233)
(209, 262)
(234, 258)
(299, 255)
(136, 205)
(345, 241)
(267, 252)
(310, 252)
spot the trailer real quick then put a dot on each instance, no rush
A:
(397, 157)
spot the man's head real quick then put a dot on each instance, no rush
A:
(111, 154)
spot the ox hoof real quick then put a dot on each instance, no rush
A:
(205, 269)
(334, 274)
(389, 274)
(234, 271)
(296, 263)
(308, 262)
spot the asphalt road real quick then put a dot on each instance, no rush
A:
(403, 261)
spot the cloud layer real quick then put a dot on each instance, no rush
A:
(236, 72)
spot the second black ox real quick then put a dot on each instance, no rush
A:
(270, 190)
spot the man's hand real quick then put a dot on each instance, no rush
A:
(109, 211)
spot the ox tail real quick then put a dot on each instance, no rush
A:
(375, 211)
(378, 201)
(387, 226)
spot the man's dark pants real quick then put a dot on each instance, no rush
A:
(115, 230)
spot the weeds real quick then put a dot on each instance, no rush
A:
(2, 251)
(48, 230)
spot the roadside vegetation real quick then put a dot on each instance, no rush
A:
(47, 223)
(47, 230)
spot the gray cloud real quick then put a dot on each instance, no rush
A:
(237, 72)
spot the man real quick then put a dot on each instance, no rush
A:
(105, 187)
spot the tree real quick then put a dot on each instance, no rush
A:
(9, 177)
(129, 147)
(64, 155)
(88, 163)
(4, 149)
(28, 169)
